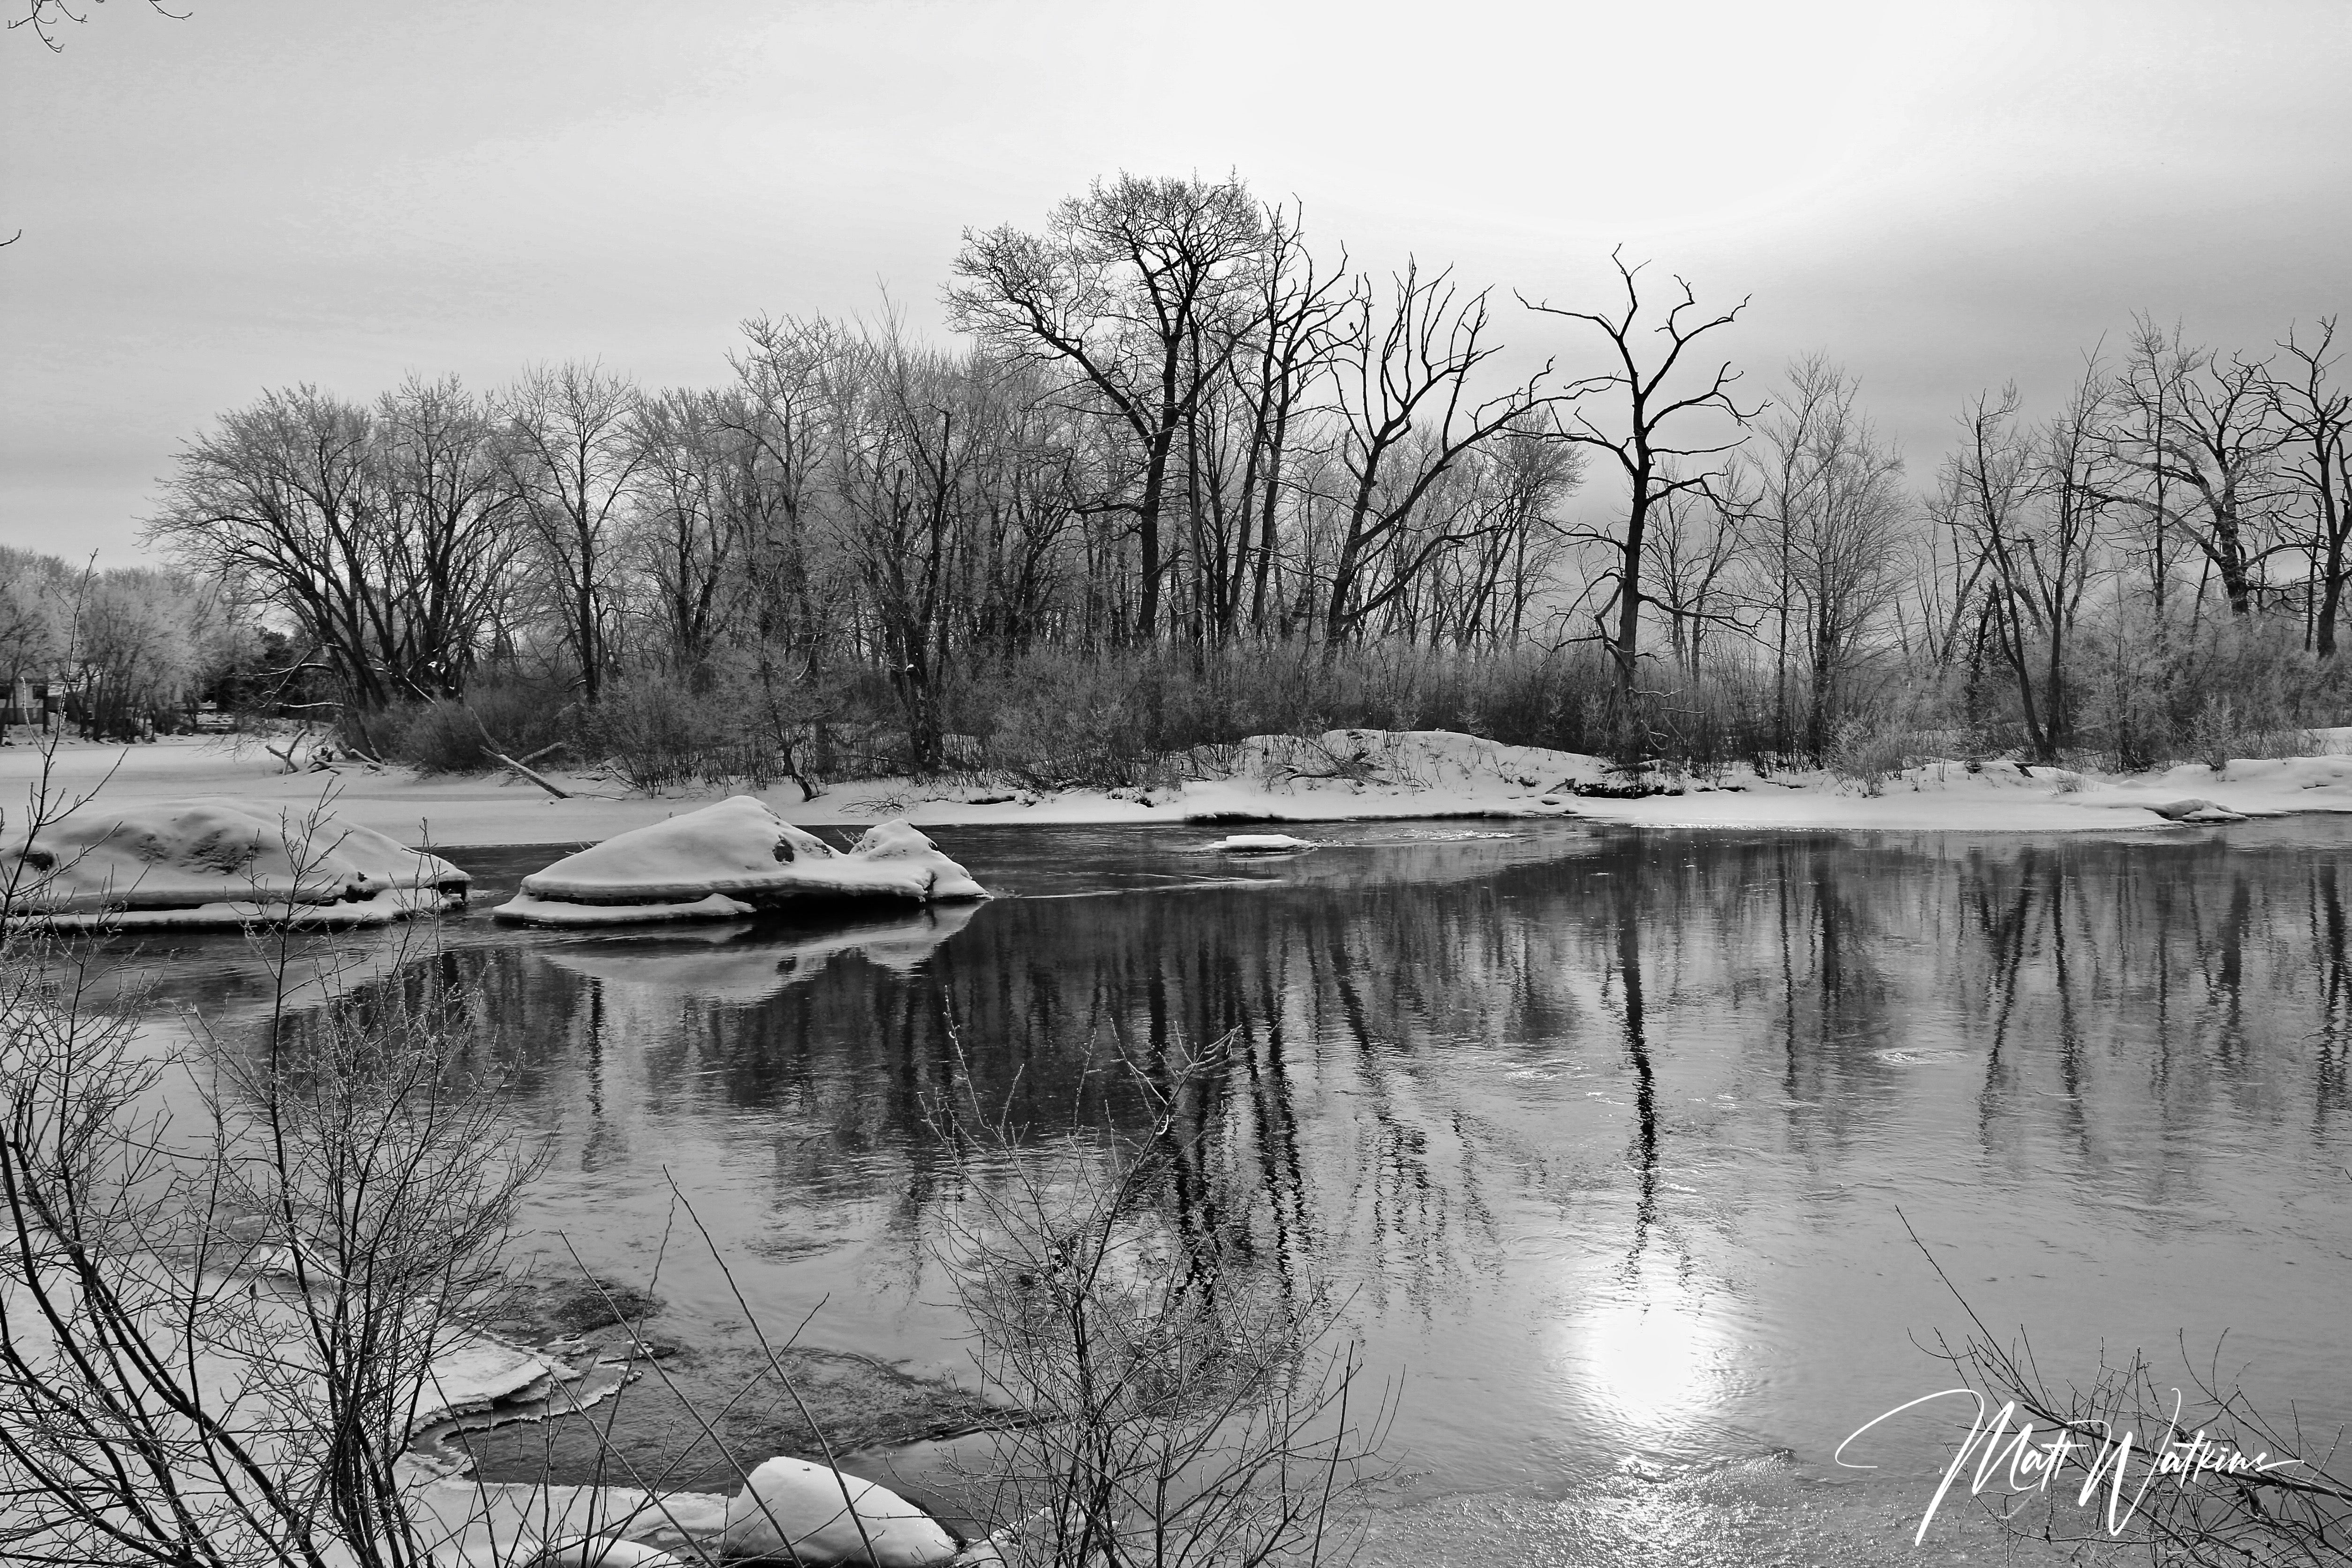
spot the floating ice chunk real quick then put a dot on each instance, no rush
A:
(731, 859)
(1259, 843)
(793, 1509)
(211, 863)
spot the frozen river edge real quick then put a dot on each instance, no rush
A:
(1343, 775)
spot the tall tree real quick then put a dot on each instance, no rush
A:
(2029, 508)
(2314, 416)
(682, 540)
(1833, 515)
(450, 533)
(1407, 418)
(1648, 445)
(284, 500)
(573, 453)
(2197, 434)
(1136, 290)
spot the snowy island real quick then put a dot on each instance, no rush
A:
(208, 864)
(729, 861)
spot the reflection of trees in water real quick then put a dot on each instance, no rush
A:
(2105, 989)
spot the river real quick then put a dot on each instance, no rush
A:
(1646, 1162)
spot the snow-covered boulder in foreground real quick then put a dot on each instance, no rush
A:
(790, 1510)
(214, 863)
(729, 861)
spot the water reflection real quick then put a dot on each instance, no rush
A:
(1607, 1132)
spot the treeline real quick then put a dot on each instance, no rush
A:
(1180, 476)
(118, 653)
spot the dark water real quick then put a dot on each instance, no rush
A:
(1619, 1139)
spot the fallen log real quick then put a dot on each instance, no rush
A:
(541, 780)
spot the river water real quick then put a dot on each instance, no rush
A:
(1635, 1154)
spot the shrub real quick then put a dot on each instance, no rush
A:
(661, 735)
(447, 736)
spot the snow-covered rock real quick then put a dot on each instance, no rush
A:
(793, 1509)
(729, 861)
(211, 863)
(1258, 844)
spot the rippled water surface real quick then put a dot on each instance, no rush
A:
(1620, 1139)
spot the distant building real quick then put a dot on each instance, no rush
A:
(32, 698)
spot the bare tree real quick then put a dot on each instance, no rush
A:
(2197, 433)
(46, 17)
(1833, 514)
(682, 540)
(573, 454)
(2030, 508)
(1646, 448)
(909, 441)
(1697, 542)
(218, 1332)
(1407, 418)
(2314, 419)
(1187, 1408)
(451, 534)
(283, 501)
(1242, 444)
(1488, 589)
(1134, 289)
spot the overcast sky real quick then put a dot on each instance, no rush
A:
(1940, 196)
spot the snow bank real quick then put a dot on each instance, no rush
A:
(208, 864)
(729, 861)
(1340, 775)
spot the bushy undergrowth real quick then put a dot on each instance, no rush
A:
(1052, 718)
(659, 736)
(519, 715)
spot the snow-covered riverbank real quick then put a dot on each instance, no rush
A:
(1345, 775)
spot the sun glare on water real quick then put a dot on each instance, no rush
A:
(1655, 1360)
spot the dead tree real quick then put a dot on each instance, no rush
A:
(1648, 448)
(1408, 419)
(2314, 419)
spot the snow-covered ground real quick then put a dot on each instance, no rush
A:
(1342, 775)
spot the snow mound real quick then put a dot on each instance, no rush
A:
(1257, 843)
(729, 861)
(213, 863)
(790, 1508)
(1363, 773)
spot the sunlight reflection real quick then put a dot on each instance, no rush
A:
(1656, 1360)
